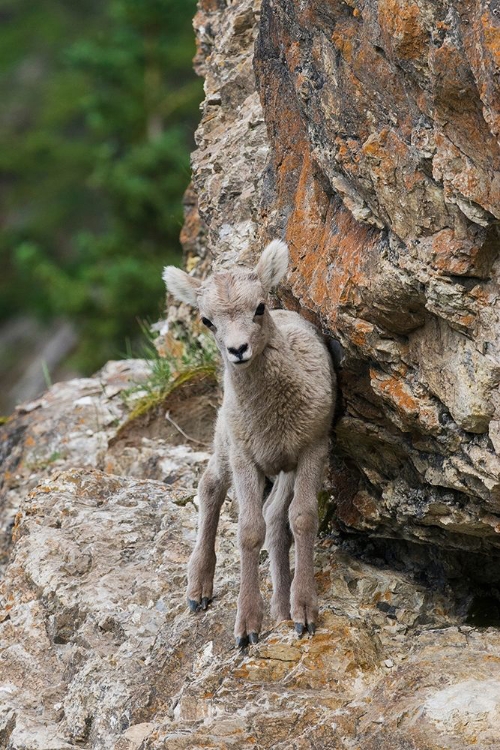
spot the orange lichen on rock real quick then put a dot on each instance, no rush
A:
(360, 331)
(449, 253)
(395, 391)
(343, 37)
(491, 36)
(333, 283)
(402, 21)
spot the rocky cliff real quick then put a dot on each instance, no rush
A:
(364, 133)
(99, 651)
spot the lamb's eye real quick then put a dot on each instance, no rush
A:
(260, 309)
(206, 322)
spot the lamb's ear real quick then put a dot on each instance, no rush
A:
(181, 285)
(272, 264)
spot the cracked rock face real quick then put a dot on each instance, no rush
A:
(85, 423)
(379, 163)
(97, 646)
(98, 649)
(69, 425)
(232, 152)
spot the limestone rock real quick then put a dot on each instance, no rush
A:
(69, 425)
(86, 423)
(229, 163)
(98, 649)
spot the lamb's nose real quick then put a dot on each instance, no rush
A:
(238, 352)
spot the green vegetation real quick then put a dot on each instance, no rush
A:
(44, 463)
(326, 511)
(197, 354)
(99, 103)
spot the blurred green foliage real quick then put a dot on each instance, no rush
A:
(99, 103)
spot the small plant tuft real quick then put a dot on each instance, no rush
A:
(185, 355)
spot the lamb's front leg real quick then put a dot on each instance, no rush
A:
(211, 494)
(303, 516)
(249, 485)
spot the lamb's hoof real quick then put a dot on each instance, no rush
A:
(301, 629)
(194, 606)
(242, 642)
(253, 638)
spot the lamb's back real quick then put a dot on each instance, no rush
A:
(305, 342)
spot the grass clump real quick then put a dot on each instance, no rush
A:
(174, 358)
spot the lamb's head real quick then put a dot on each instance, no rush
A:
(233, 303)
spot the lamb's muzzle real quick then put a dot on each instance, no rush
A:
(274, 421)
(239, 352)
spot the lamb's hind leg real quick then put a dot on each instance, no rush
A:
(304, 523)
(211, 494)
(278, 541)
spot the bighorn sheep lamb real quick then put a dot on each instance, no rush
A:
(274, 422)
